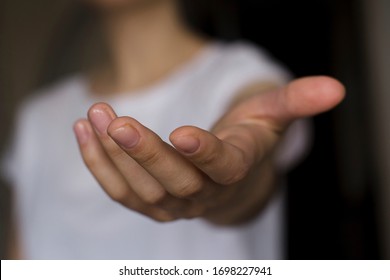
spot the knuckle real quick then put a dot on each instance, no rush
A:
(114, 151)
(233, 177)
(190, 187)
(208, 158)
(155, 198)
(120, 195)
(149, 158)
(163, 217)
(91, 161)
(238, 172)
(195, 212)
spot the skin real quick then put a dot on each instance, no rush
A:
(225, 175)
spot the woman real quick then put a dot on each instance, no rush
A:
(223, 109)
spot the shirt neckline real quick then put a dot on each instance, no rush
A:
(177, 75)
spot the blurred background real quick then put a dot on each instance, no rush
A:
(339, 196)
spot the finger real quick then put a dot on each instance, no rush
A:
(303, 97)
(178, 176)
(310, 96)
(98, 163)
(137, 178)
(107, 175)
(223, 162)
(101, 166)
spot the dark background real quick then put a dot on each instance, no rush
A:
(331, 211)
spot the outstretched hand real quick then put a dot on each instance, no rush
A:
(224, 175)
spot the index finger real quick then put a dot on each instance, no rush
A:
(176, 174)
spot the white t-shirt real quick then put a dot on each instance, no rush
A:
(64, 214)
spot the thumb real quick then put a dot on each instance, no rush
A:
(248, 124)
(304, 97)
(301, 98)
(310, 96)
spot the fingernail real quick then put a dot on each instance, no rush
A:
(100, 119)
(126, 136)
(82, 133)
(186, 144)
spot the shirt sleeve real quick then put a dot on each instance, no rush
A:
(248, 65)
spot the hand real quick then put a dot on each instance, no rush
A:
(225, 175)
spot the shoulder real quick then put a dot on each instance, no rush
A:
(245, 56)
(243, 63)
(234, 67)
(242, 51)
